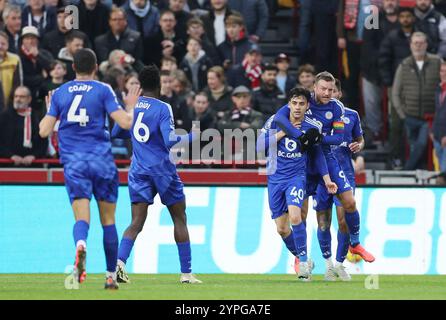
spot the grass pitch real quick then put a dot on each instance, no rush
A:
(222, 287)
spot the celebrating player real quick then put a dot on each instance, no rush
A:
(152, 172)
(353, 142)
(85, 151)
(330, 113)
(286, 176)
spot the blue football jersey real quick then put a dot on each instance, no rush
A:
(82, 108)
(330, 115)
(352, 130)
(288, 160)
(152, 134)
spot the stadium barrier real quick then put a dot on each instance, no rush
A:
(230, 230)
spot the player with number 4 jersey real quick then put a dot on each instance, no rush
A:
(81, 106)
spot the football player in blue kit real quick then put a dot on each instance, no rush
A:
(153, 172)
(330, 113)
(286, 169)
(81, 106)
(353, 142)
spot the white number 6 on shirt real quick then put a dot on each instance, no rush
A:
(139, 126)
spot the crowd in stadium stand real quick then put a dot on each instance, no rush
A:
(212, 68)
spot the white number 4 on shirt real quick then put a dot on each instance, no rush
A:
(82, 117)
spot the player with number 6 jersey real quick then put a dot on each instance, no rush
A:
(81, 106)
(152, 172)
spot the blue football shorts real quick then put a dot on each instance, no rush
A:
(86, 178)
(323, 200)
(144, 188)
(284, 194)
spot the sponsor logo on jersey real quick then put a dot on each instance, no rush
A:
(291, 145)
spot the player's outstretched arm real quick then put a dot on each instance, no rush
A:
(282, 119)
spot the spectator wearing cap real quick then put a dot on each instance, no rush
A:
(35, 62)
(195, 29)
(242, 116)
(54, 40)
(12, 17)
(19, 131)
(142, 16)
(214, 22)
(196, 64)
(233, 50)
(166, 42)
(93, 18)
(256, 16)
(218, 92)
(306, 75)
(10, 71)
(38, 15)
(269, 98)
(120, 36)
(285, 81)
(73, 42)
